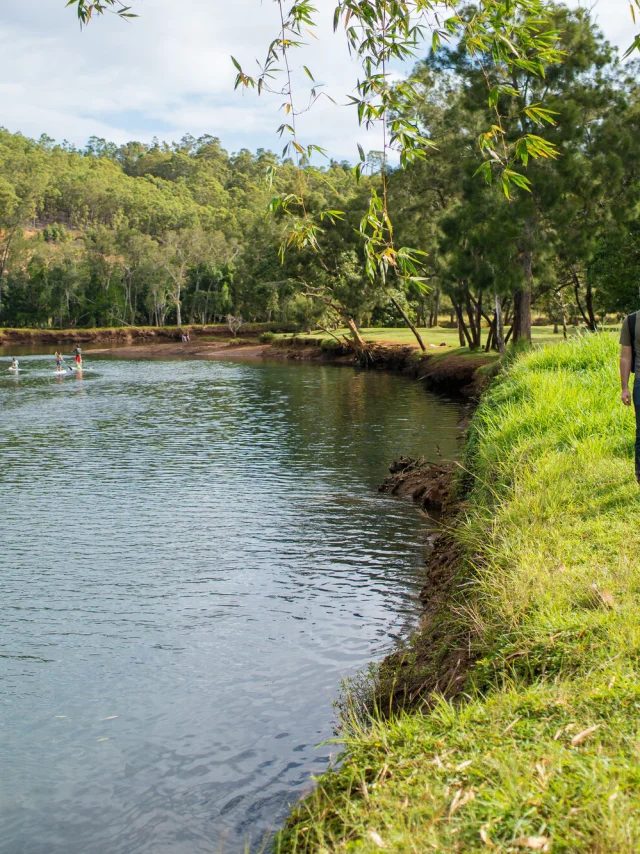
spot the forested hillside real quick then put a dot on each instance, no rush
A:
(180, 233)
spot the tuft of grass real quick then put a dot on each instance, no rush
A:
(542, 751)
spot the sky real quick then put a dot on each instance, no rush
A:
(169, 73)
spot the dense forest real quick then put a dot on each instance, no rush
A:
(179, 233)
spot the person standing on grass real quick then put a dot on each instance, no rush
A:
(629, 346)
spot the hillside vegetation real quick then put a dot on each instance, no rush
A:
(170, 233)
(541, 750)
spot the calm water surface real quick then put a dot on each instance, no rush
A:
(192, 555)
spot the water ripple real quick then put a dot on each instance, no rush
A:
(193, 556)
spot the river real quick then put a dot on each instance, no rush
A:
(192, 556)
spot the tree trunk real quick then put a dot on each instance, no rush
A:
(564, 315)
(524, 303)
(192, 313)
(479, 320)
(355, 332)
(434, 317)
(515, 325)
(463, 331)
(499, 327)
(178, 306)
(409, 323)
(474, 313)
(579, 304)
(589, 317)
(490, 338)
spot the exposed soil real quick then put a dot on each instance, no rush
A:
(428, 484)
(190, 350)
(437, 659)
(125, 334)
(441, 372)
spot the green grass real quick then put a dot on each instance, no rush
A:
(437, 336)
(544, 748)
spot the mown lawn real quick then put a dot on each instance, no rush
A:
(542, 751)
(437, 336)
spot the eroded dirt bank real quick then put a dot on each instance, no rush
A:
(439, 370)
(436, 659)
(150, 335)
(443, 372)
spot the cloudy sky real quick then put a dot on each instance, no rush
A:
(169, 73)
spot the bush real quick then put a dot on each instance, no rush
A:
(268, 337)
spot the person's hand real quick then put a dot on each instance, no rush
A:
(626, 397)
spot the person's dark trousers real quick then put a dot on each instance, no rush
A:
(636, 403)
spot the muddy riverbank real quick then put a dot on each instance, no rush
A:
(124, 335)
(443, 372)
(440, 369)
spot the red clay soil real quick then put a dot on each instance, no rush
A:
(123, 334)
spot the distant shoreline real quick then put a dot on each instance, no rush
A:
(442, 370)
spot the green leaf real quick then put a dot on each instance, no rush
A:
(485, 170)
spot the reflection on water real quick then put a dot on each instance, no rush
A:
(193, 556)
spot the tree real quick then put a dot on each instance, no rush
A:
(503, 37)
(506, 246)
(234, 322)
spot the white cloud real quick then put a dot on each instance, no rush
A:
(168, 73)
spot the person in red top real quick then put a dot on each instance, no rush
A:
(78, 359)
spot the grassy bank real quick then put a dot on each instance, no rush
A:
(431, 337)
(541, 751)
